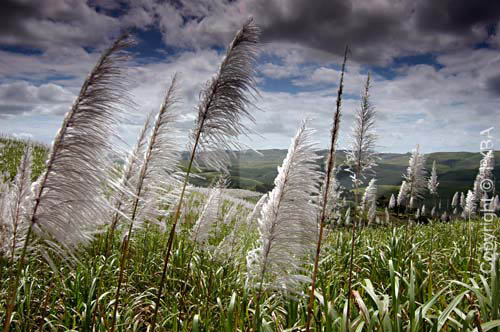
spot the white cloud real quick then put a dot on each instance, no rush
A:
(278, 71)
(23, 98)
(422, 105)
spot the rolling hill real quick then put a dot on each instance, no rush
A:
(456, 170)
(256, 170)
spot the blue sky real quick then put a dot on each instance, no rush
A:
(435, 64)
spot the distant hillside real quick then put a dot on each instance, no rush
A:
(456, 170)
(257, 170)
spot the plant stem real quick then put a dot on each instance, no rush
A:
(13, 287)
(353, 237)
(430, 260)
(330, 167)
(352, 242)
(257, 320)
(172, 230)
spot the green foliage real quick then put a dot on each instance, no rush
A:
(391, 286)
(11, 151)
(206, 288)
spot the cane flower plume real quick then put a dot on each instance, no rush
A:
(433, 180)
(288, 225)
(16, 204)
(225, 102)
(68, 200)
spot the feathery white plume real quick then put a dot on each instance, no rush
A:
(256, 210)
(326, 186)
(470, 204)
(224, 102)
(454, 201)
(387, 217)
(69, 204)
(361, 156)
(370, 195)
(462, 200)
(424, 211)
(17, 205)
(433, 180)
(210, 215)
(392, 202)
(415, 175)
(433, 212)
(288, 225)
(124, 189)
(348, 216)
(158, 179)
(158, 173)
(372, 212)
(403, 193)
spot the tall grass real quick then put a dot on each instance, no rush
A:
(221, 111)
(67, 201)
(388, 293)
(327, 185)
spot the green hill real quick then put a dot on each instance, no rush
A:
(456, 170)
(256, 170)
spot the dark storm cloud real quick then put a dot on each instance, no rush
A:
(456, 17)
(493, 85)
(13, 12)
(53, 22)
(329, 25)
(377, 31)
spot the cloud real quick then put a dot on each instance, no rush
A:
(453, 100)
(279, 71)
(24, 98)
(456, 17)
(493, 84)
(377, 31)
(44, 24)
(441, 105)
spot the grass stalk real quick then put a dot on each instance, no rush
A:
(171, 235)
(329, 171)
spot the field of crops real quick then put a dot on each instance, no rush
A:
(395, 287)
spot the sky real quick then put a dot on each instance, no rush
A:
(435, 65)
